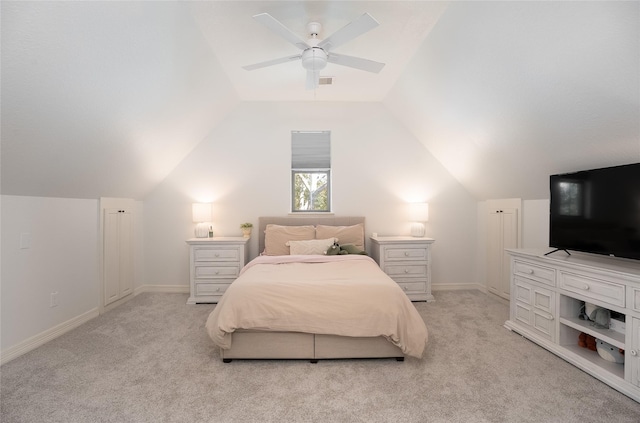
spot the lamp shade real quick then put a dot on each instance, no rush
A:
(201, 212)
(419, 212)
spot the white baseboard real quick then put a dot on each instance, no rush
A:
(46, 336)
(458, 287)
(170, 289)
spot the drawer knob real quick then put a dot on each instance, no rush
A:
(586, 287)
(406, 270)
(217, 272)
(404, 287)
(530, 271)
(634, 353)
(406, 253)
(217, 255)
(218, 289)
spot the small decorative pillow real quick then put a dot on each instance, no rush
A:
(310, 247)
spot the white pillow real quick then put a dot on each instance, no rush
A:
(310, 247)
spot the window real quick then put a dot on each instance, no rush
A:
(310, 171)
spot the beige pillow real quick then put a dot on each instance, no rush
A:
(310, 247)
(346, 234)
(276, 237)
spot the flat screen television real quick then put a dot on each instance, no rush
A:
(597, 211)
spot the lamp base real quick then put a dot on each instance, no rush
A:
(202, 230)
(417, 229)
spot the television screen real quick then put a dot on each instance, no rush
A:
(597, 211)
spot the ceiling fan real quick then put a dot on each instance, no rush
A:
(316, 52)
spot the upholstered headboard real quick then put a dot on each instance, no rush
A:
(303, 220)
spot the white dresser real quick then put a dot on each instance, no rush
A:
(546, 296)
(214, 263)
(407, 260)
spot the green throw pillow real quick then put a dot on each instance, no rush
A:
(351, 249)
(333, 250)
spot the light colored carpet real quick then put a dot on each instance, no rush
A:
(150, 360)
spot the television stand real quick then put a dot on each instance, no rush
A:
(558, 249)
(547, 294)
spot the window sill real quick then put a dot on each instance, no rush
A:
(311, 213)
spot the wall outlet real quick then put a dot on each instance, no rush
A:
(54, 299)
(25, 240)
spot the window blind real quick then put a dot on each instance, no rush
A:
(310, 150)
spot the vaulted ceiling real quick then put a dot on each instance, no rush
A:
(106, 98)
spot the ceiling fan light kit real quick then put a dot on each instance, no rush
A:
(314, 59)
(315, 52)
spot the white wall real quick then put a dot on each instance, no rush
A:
(63, 258)
(535, 231)
(243, 167)
(95, 83)
(505, 93)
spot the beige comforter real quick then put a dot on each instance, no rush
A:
(337, 295)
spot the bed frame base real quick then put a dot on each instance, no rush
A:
(252, 345)
(314, 361)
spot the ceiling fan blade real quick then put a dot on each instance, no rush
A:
(348, 32)
(355, 62)
(276, 26)
(272, 62)
(313, 77)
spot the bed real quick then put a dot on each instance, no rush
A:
(293, 303)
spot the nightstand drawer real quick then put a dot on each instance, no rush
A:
(605, 291)
(225, 272)
(211, 288)
(216, 254)
(406, 270)
(531, 271)
(410, 287)
(404, 252)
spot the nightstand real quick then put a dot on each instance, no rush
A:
(407, 260)
(214, 263)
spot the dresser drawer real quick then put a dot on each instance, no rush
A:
(532, 295)
(634, 298)
(209, 272)
(604, 291)
(534, 307)
(406, 270)
(405, 252)
(216, 254)
(538, 273)
(211, 288)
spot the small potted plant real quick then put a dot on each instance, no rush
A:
(246, 229)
